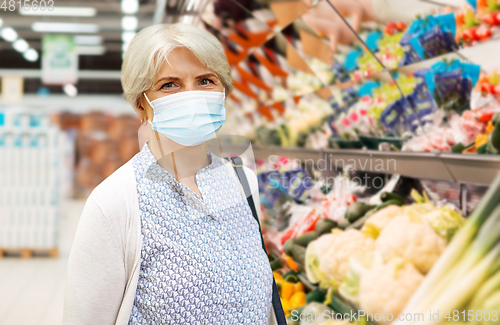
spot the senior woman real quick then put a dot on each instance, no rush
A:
(169, 238)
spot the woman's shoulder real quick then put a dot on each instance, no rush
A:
(117, 193)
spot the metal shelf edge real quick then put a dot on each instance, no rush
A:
(477, 169)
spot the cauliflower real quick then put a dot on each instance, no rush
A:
(445, 221)
(413, 240)
(349, 288)
(374, 225)
(327, 258)
(387, 287)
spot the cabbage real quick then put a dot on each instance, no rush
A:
(313, 314)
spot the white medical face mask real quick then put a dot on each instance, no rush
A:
(189, 117)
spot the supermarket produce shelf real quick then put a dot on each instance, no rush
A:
(460, 168)
(416, 165)
(471, 168)
(305, 155)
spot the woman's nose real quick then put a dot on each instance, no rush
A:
(190, 86)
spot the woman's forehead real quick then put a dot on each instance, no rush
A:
(182, 62)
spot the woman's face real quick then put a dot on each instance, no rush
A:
(185, 73)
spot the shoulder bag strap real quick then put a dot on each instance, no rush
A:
(238, 167)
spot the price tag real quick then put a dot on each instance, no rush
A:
(12, 89)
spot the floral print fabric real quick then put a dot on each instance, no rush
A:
(202, 260)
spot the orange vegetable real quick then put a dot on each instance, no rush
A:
(291, 263)
(489, 128)
(286, 290)
(278, 276)
(298, 287)
(471, 150)
(481, 139)
(298, 300)
(286, 306)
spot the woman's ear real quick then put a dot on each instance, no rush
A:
(143, 134)
(141, 113)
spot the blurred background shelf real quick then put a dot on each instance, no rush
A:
(416, 165)
(460, 168)
(475, 169)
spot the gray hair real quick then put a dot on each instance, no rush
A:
(150, 47)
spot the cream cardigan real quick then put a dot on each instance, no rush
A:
(105, 259)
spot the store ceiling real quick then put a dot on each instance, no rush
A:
(108, 18)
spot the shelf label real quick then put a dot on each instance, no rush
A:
(12, 89)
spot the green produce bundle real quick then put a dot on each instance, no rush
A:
(466, 275)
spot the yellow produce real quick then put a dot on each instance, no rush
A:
(298, 287)
(489, 128)
(277, 276)
(279, 280)
(481, 139)
(286, 307)
(298, 300)
(287, 289)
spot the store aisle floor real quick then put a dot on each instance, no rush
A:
(32, 290)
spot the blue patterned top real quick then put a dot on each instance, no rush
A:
(202, 259)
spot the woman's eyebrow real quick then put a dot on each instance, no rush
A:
(167, 79)
(207, 75)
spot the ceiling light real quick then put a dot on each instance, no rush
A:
(31, 55)
(20, 45)
(187, 19)
(8, 34)
(130, 6)
(87, 40)
(64, 27)
(90, 50)
(128, 36)
(70, 90)
(62, 11)
(129, 23)
(190, 5)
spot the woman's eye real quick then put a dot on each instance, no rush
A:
(168, 85)
(206, 81)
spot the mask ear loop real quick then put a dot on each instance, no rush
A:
(217, 135)
(175, 168)
(220, 146)
(161, 148)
